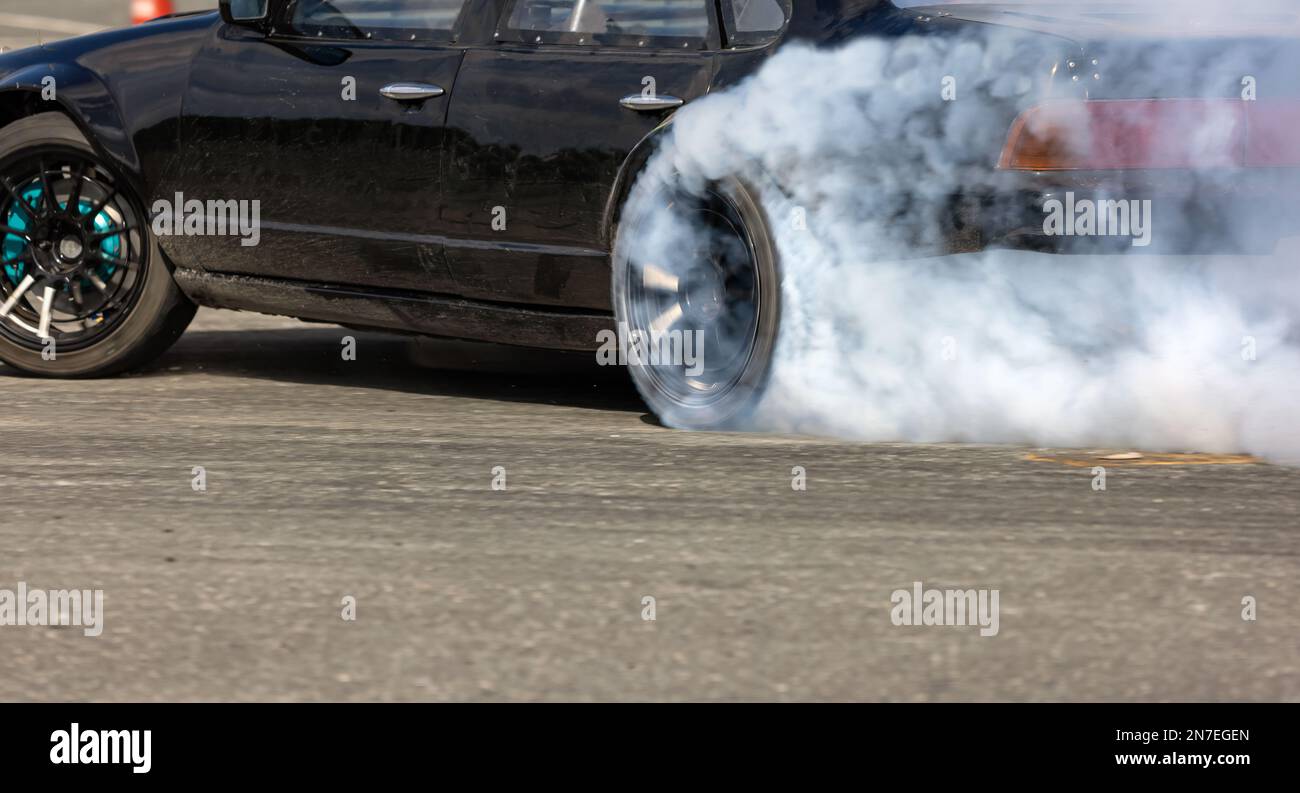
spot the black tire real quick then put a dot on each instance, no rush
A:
(158, 312)
(737, 224)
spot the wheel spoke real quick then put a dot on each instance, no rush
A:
(19, 233)
(655, 277)
(114, 299)
(88, 219)
(96, 282)
(17, 199)
(74, 200)
(87, 319)
(114, 290)
(666, 320)
(47, 309)
(17, 295)
(47, 192)
(77, 297)
(103, 235)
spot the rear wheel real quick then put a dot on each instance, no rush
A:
(698, 273)
(84, 290)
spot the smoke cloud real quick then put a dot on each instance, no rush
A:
(886, 336)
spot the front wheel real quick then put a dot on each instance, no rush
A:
(696, 292)
(84, 290)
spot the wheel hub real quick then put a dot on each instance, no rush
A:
(705, 295)
(59, 250)
(70, 249)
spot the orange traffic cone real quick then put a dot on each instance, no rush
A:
(145, 10)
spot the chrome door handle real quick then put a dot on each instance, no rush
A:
(647, 104)
(411, 92)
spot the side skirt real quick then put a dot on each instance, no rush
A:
(409, 312)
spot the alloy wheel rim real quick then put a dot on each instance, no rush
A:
(712, 289)
(72, 250)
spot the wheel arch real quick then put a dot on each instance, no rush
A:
(628, 173)
(85, 100)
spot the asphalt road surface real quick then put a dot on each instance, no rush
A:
(372, 479)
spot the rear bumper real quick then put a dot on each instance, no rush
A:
(1243, 211)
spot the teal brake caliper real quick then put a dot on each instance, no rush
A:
(20, 217)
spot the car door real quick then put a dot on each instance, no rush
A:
(539, 127)
(333, 122)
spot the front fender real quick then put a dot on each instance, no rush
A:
(628, 172)
(81, 96)
(123, 88)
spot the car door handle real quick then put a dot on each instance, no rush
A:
(411, 92)
(648, 104)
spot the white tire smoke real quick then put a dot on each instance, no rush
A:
(858, 156)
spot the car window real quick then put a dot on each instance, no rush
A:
(618, 22)
(759, 18)
(373, 18)
(751, 22)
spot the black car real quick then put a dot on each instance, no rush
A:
(455, 168)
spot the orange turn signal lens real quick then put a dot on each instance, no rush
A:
(1130, 134)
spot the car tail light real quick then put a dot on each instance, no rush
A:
(1273, 134)
(1153, 134)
